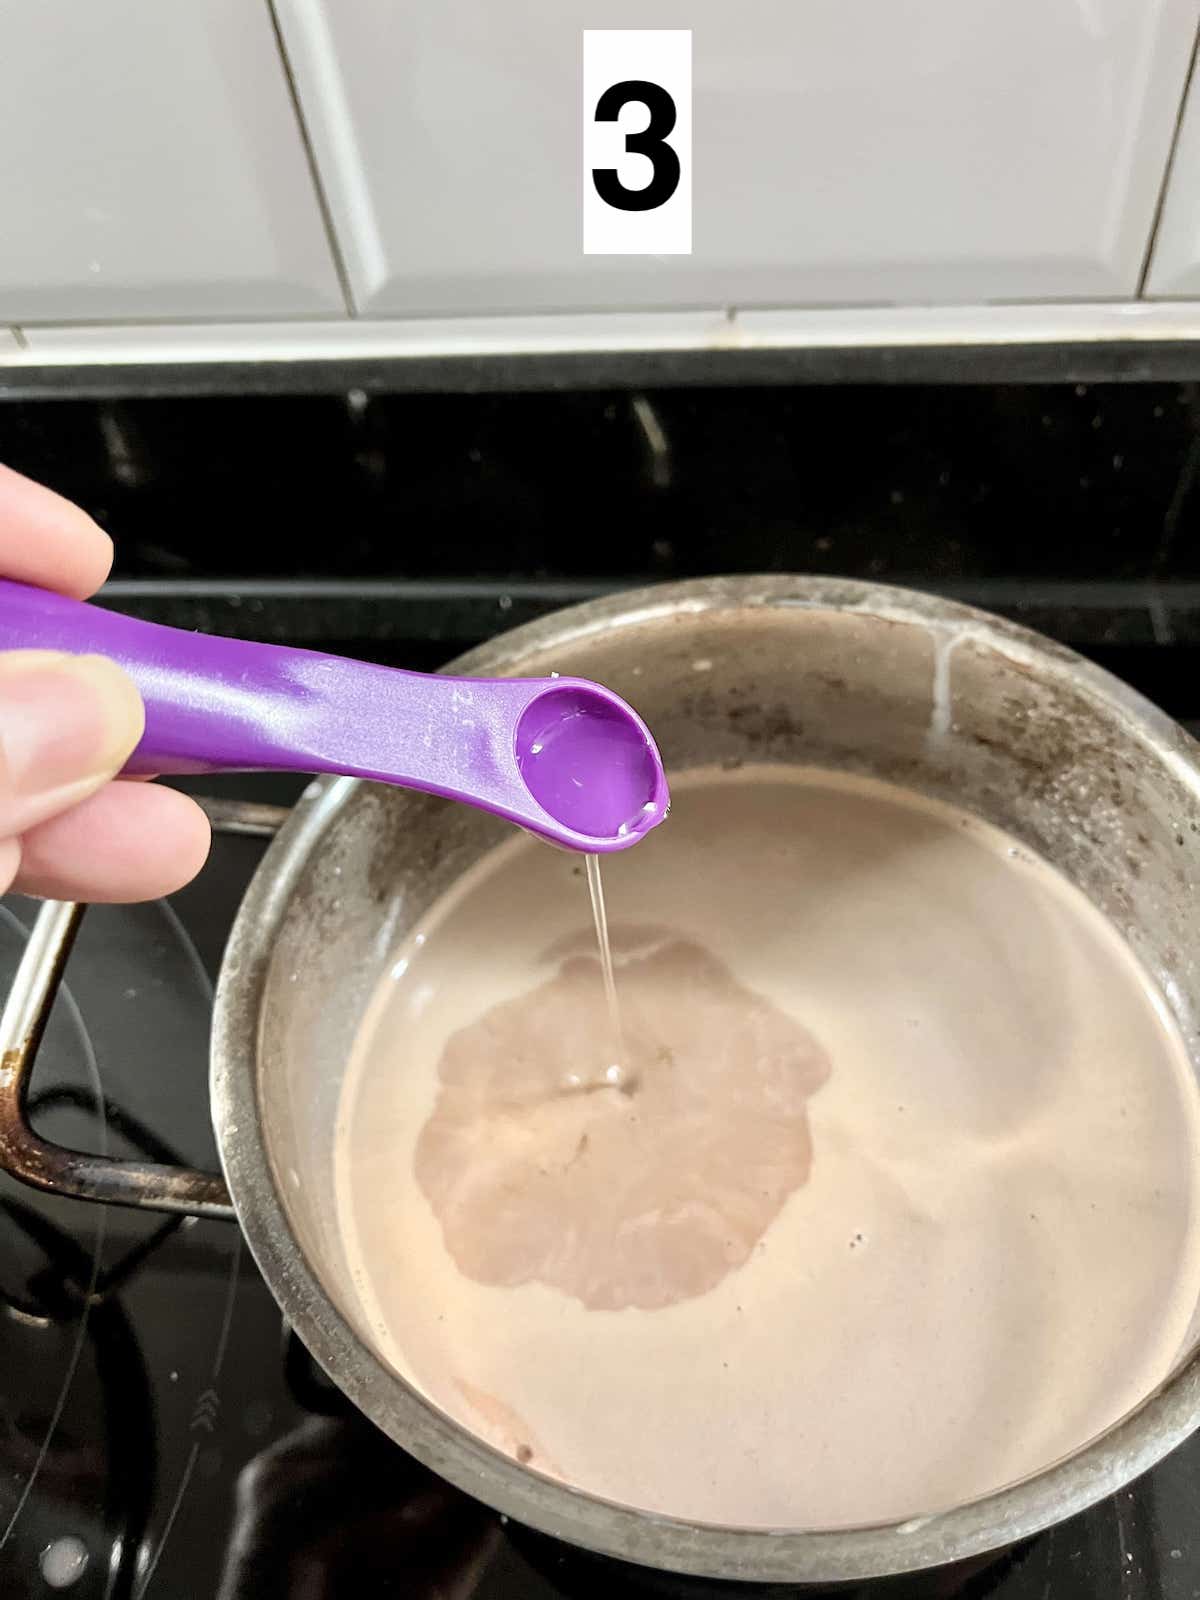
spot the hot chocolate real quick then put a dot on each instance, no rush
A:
(895, 1200)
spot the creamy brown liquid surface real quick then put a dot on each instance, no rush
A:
(895, 1202)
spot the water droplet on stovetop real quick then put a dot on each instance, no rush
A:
(64, 1561)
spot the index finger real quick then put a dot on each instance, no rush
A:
(47, 541)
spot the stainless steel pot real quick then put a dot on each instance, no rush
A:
(846, 675)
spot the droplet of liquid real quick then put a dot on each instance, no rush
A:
(63, 1562)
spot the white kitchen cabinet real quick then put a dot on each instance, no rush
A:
(151, 165)
(894, 151)
(1175, 268)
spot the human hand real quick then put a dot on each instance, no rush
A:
(70, 829)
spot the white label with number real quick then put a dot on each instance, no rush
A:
(637, 142)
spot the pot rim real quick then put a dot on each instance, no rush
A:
(1108, 1463)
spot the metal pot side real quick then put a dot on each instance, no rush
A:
(789, 670)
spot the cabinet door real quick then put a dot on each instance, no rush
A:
(152, 165)
(1175, 269)
(885, 151)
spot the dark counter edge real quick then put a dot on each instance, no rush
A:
(1089, 361)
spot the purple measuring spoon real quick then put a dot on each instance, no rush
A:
(562, 757)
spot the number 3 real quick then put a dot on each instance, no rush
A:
(651, 142)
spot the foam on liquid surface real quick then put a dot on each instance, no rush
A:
(901, 1208)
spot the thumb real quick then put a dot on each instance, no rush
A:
(67, 725)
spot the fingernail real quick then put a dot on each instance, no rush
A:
(67, 723)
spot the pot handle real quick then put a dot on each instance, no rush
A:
(24, 1154)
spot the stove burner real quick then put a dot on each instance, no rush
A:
(78, 1425)
(34, 1299)
(113, 1464)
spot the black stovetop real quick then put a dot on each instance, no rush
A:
(161, 1433)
